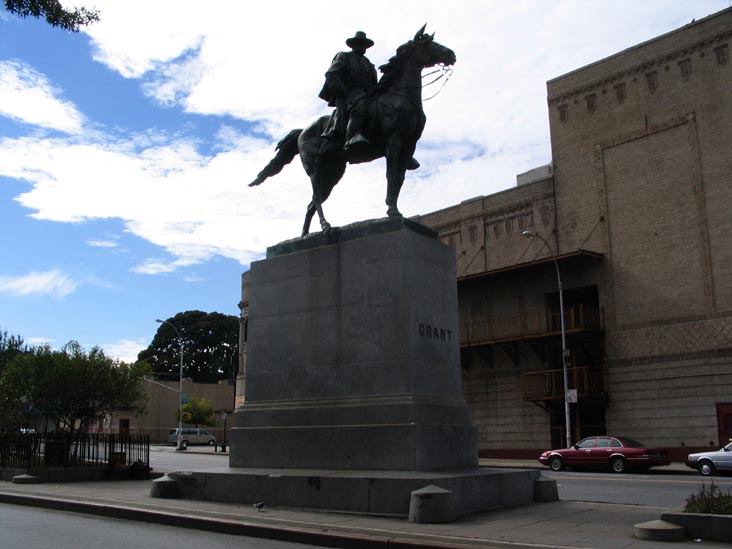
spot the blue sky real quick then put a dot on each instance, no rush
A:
(125, 149)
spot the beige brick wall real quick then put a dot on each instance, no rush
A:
(491, 381)
(669, 403)
(486, 231)
(651, 169)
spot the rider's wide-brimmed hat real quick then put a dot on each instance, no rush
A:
(359, 39)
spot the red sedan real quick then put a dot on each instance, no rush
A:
(615, 453)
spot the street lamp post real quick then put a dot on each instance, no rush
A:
(532, 234)
(178, 445)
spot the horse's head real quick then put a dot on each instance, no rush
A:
(430, 53)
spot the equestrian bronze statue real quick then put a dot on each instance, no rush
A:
(391, 128)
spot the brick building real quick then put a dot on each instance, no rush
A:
(636, 205)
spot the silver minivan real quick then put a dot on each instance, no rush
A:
(192, 436)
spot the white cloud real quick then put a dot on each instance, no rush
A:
(102, 243)
(54, 283)
(28, 96)
(39, 341)
(125, 350)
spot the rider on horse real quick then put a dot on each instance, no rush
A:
(349, 84)
(350, 80)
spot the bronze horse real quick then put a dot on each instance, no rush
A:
(395, 123)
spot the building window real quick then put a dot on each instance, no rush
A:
(545, 213)
(563, 114)
(591, 101)
(721, 53)
(473, 233)
(652, 80)
(620, 92)
(685, 67)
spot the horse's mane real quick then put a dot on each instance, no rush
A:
(391, 67)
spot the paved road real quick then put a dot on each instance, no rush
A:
(34, 528)
(652, 490)
(165, 458)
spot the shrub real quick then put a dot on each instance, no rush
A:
(709, 500)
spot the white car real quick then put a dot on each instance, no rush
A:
(707, 463)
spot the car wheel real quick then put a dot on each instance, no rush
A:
(212, 443)
(556, 463)
(617, 465)
(706, 468)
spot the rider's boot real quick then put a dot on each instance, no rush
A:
(412, 164)
(353, 132)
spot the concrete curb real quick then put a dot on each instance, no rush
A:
(659, 530)
(345, 540)
(702, 526)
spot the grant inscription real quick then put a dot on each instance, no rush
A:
(434, 332)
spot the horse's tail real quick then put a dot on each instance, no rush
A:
(286, 150)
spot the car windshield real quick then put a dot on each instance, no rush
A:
(173, 431)
(728, 447)
(629, 442)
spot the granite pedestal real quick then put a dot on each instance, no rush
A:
(353, 357)
(353, 394)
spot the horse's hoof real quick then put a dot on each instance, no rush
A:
(393, 212)
(326, 228)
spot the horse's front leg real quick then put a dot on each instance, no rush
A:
(396, 166)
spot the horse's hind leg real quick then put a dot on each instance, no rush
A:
(313, 207)
(324, 225)
(316, 206)
(309, 217)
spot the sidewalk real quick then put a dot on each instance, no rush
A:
(556, 524)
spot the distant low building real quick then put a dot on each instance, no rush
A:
(162, 408)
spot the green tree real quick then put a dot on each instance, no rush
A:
(10, 345)
(210, 347)
(199, 411)
(54, 13)
(71, 389)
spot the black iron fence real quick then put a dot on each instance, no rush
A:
(87, 450)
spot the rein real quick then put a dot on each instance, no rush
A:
(446, 74)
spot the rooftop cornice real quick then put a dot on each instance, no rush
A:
(640, 68)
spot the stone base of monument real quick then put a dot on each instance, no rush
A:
(363, 492)
(353, 393)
